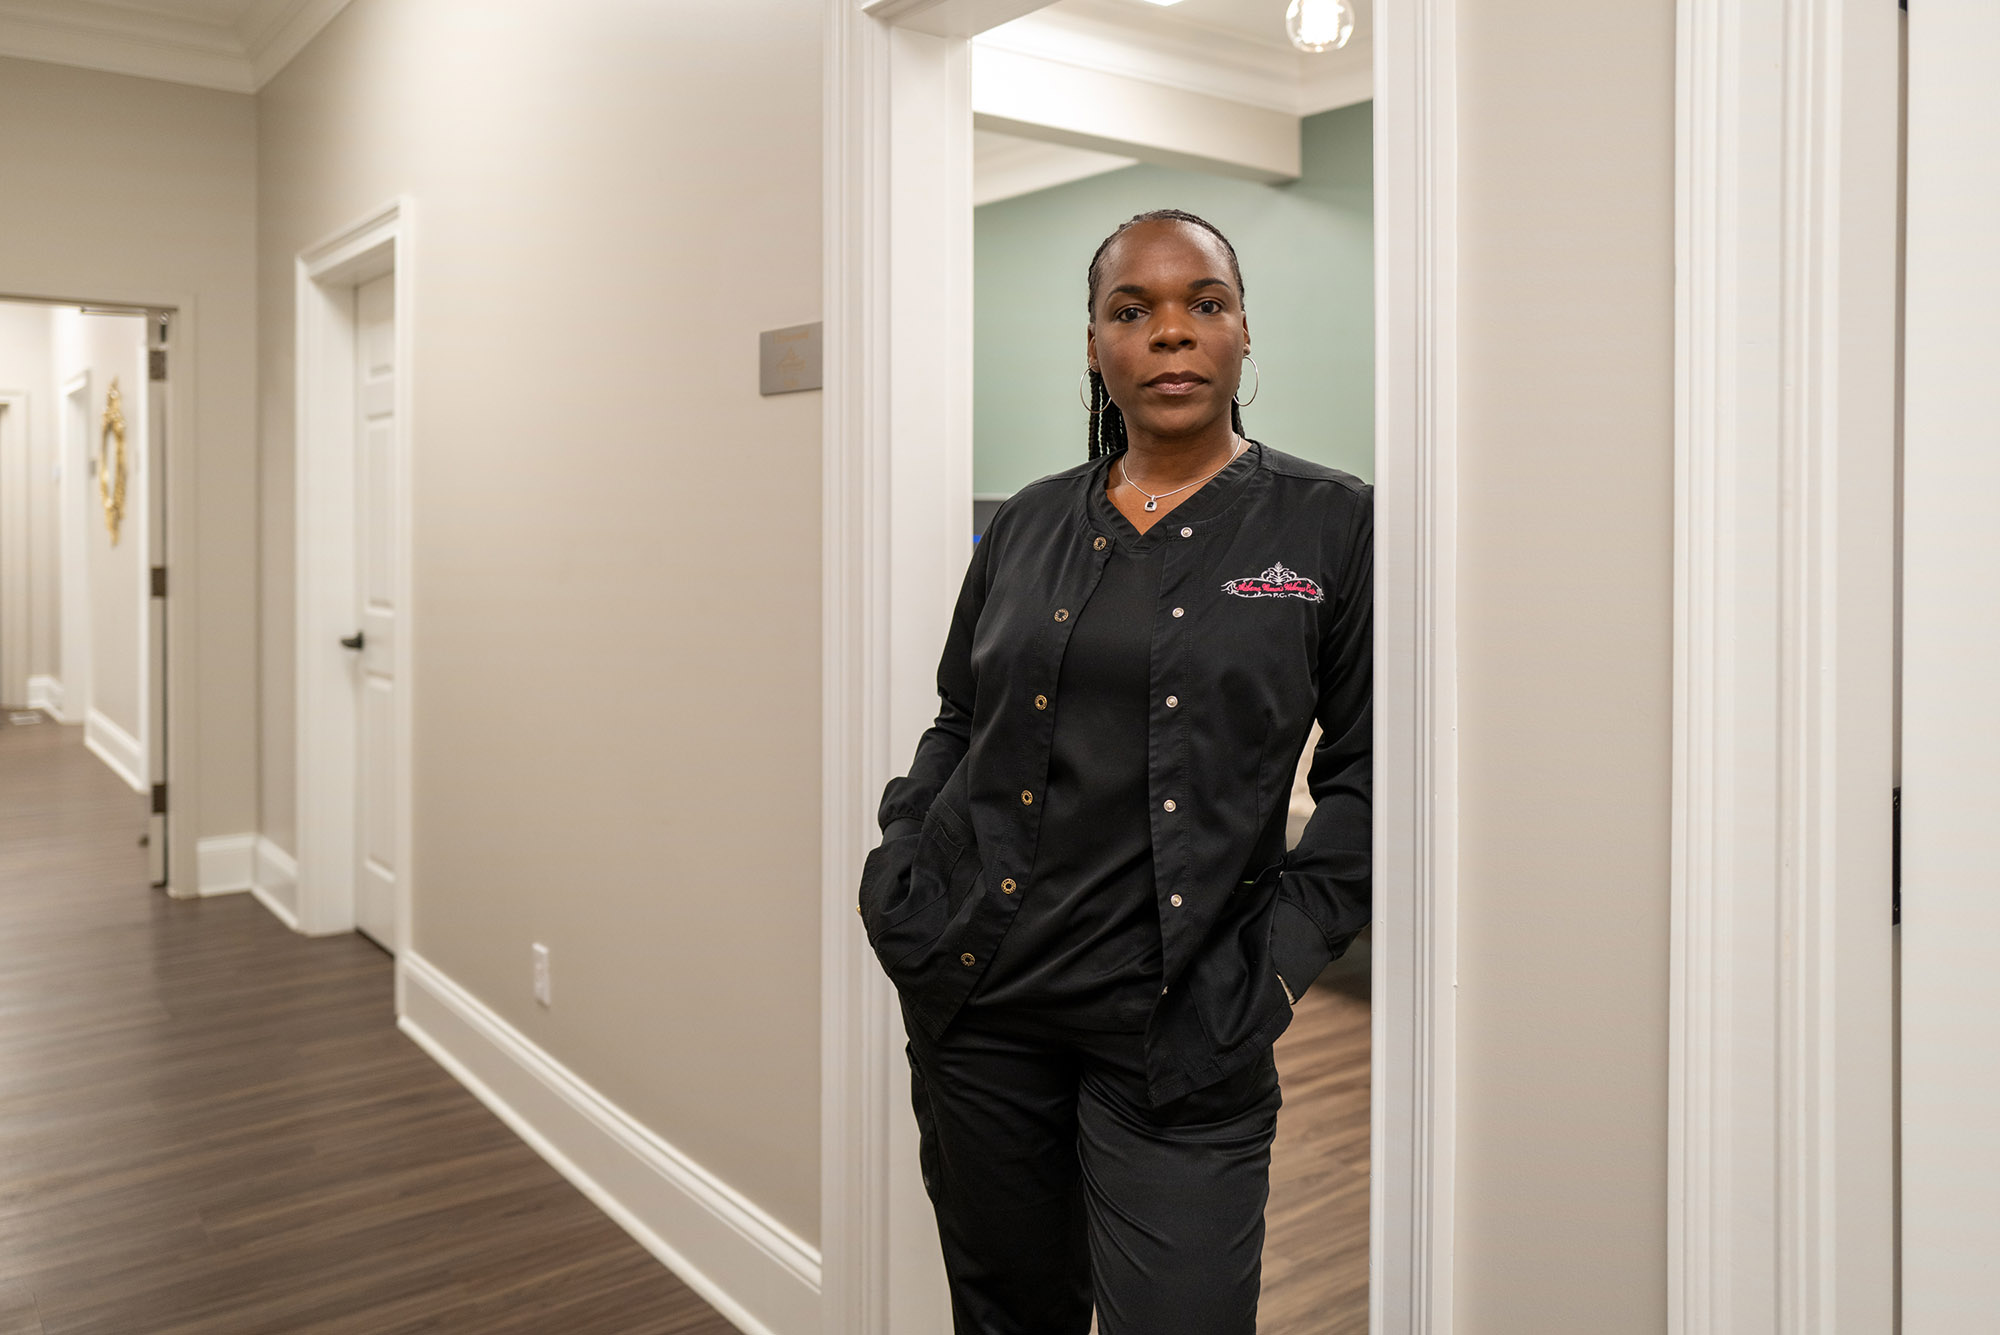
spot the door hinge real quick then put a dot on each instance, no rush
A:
(159, 581)
(159, 799)
(156, 363)
(1896, 857)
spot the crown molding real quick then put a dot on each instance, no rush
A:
(238, 58)
(117, 41)
(276, 30)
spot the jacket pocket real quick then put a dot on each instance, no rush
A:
(922, 951)
(1231, 982)
(912, 922)
(884, 875)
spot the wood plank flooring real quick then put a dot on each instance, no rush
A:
(210, 1125)
(1316, 1238)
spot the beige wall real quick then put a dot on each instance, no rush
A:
(112, 347)
(1566, 144)
(124, 189)
(616, 580)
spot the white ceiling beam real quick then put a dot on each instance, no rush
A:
(949, 18)
(1004, 166)
(1038, 98)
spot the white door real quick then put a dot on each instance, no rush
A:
(1951, 666)
(375, 576)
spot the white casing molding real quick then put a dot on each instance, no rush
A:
(73, 553)
(897, 472)
(1415, 1002)
(225, 863)
(16, 446)
(117, 748)
(325, 276)
(46, 694)
(1780, 1172)
(745, 1264)
(237, 57)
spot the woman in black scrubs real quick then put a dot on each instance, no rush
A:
(1083, 894)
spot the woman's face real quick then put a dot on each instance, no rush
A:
(1168, 331)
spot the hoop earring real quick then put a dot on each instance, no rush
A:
(1082, 393)
(1255, 385)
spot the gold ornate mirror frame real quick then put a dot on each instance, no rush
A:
(111, 462)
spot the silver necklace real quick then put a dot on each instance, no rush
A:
(1153, 500)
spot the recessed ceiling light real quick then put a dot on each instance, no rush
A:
(1163, 3)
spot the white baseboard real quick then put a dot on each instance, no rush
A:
(224, 863)
(117, 748)
(274, 880)
(46, 694)
(758, 1274)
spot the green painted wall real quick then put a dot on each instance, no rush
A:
(1307, 250)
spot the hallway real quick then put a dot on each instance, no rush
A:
(210, 1124)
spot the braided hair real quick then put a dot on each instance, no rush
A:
(1107, 422)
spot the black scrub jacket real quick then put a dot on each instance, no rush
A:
(1262, 625)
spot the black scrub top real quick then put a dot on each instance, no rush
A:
(1084, 949)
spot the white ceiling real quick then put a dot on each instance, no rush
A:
(1234, 51)
(230, 44)
(1260, 21)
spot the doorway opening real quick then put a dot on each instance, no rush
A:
(901, 460)
(84, 414)
(353, 653)
(1294, 193)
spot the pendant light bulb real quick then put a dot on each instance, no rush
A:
(1320, 25)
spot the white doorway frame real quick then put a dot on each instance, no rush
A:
(72, 435)
(183, 602)
(897, 448)
(15, 449)
(1781, 1078)
(325, 276)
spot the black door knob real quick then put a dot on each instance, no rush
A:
(353, 641)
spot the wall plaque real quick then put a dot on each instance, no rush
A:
(788, 359)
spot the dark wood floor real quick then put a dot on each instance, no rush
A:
(211, 1126)
(1316, 1239)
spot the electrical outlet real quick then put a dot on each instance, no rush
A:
(541, 954)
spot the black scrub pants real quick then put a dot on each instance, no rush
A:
(1057, 1183)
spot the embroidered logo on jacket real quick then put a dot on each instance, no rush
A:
(1277, 582)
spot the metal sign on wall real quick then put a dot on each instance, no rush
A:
(788, 360)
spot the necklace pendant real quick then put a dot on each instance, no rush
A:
(1152, 505)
